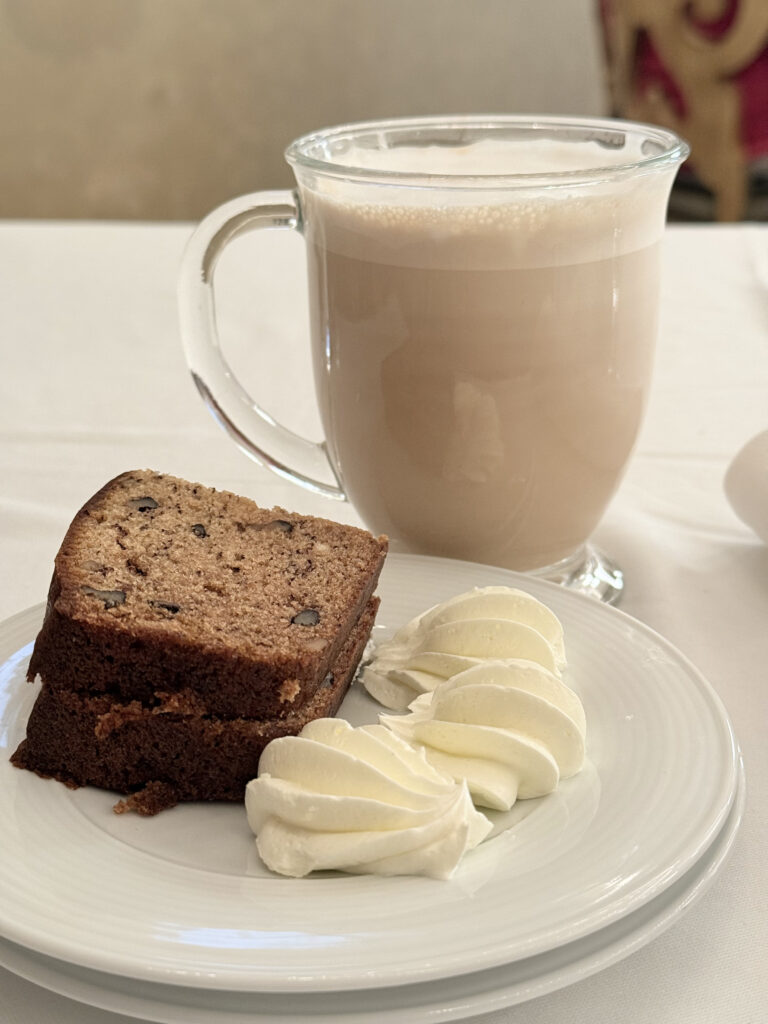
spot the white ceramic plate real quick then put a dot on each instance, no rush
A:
(427, 1003)
(183, 899)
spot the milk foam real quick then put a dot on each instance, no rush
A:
(496, 157)
(491, 225)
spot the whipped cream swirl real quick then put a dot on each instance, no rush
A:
(359, 800)
(482, 624)
(510, 728)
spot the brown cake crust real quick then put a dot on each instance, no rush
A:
(164, 587)
(163, 754)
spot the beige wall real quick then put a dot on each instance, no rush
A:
(160, 109)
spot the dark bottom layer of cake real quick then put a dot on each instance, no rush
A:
(161, 756)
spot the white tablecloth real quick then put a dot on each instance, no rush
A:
(93, 382)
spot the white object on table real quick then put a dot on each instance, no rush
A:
(746, 484)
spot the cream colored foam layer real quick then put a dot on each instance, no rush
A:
(488, 228)
(496, 156)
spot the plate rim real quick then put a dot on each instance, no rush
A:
(664, 913)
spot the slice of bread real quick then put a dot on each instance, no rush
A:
(163, 587)
(166, 754)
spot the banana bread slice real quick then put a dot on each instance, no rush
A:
(164, 587)
(163, 755)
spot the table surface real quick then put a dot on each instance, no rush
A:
(94, 382)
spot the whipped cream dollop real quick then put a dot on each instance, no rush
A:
(510, 728)
(482, 624)
(360, 800)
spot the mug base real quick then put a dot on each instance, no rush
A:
(589, 572)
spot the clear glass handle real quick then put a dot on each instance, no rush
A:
(252, 429)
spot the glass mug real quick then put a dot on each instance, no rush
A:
(483, 305)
